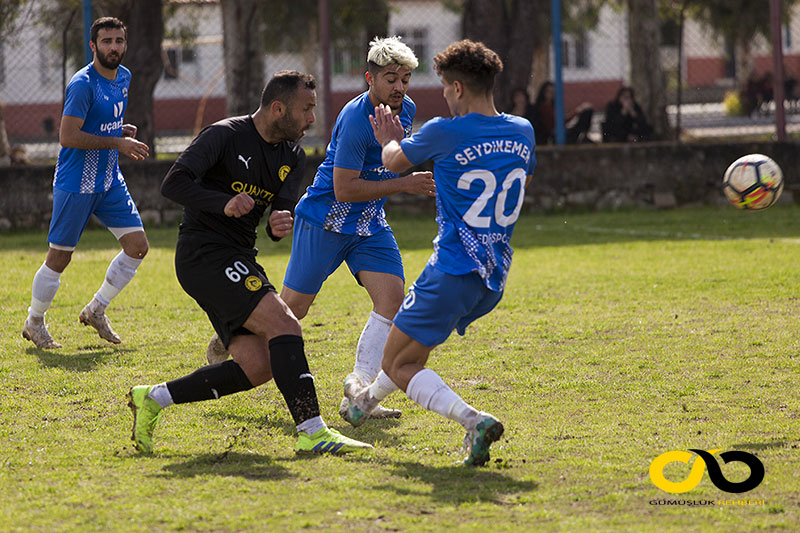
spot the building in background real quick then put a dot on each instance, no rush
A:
(191, 91)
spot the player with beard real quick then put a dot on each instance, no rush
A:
(227, 178)
(88, 181)
(341, 219)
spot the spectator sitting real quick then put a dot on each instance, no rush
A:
(520, 103)
(543, 118)
(625, 120)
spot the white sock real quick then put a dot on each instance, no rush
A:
(369, 352)
(311, 426)
(44, 288)
(427, 389)
(120, 272)
(160, 394)
(382, 387)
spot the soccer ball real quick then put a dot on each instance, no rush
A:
(753, 182)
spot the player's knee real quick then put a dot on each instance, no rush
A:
(135, 245)
(139, 250)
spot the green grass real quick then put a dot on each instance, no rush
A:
(621, 336)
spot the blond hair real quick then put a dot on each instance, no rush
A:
(383, 51)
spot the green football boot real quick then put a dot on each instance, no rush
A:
(146, 413)
(477, 441)
(328, 440)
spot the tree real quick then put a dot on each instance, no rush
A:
(243, 43)
(514, 29)
(145, 22)
(9, 10)
(647, 75)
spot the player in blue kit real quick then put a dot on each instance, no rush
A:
(341, 218)
(88, 181)
(483, 161)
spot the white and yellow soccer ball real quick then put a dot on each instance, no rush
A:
(753, 182)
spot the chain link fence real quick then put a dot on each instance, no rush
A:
(35, 66)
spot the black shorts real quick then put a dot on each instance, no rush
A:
(225, 280)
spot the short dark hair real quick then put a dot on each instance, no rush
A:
(283, 86)
(472, 63)
(107, 23)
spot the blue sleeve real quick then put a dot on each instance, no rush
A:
(429, 143)
(78, 99)
(353, 141)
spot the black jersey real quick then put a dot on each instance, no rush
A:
(225, 159)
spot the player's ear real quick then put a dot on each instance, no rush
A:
(458, 87)
(368, 77)
(277, 107)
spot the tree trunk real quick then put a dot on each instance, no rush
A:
(145, 22)
(244, 54)
(647, 76)
(744, 63)
(513, 29)
(5, 147)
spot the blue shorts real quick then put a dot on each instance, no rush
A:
(437, 303)
(317, 253)
(71, 212)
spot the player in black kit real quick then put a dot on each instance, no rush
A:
(227, 178)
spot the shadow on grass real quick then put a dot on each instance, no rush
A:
(761, 445)
(85, 360)
(228, 463)
(457, 484)
(282, 424)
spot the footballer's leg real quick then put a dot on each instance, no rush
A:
(273, 319)
(405, 359)
(249, 369)
(46, 282)
(118, 213)
(377, 265)
(71, 212)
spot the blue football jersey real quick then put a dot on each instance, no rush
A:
(101, 103)
(353, 146)
(480, 166)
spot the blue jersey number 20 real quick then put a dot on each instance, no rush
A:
(473, 215)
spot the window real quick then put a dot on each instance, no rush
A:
(347, 60)
(175, 58)
(575, 51)
(417, 40)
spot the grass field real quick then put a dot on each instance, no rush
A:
(621, 336)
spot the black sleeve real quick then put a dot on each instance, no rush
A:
(287, 197)
(180, 184)
(181, 187)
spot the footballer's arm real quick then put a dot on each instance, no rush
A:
(70, 135)
(349, 187)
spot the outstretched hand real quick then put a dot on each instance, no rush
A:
(239, 205)
(385, 126)
(280, 223)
